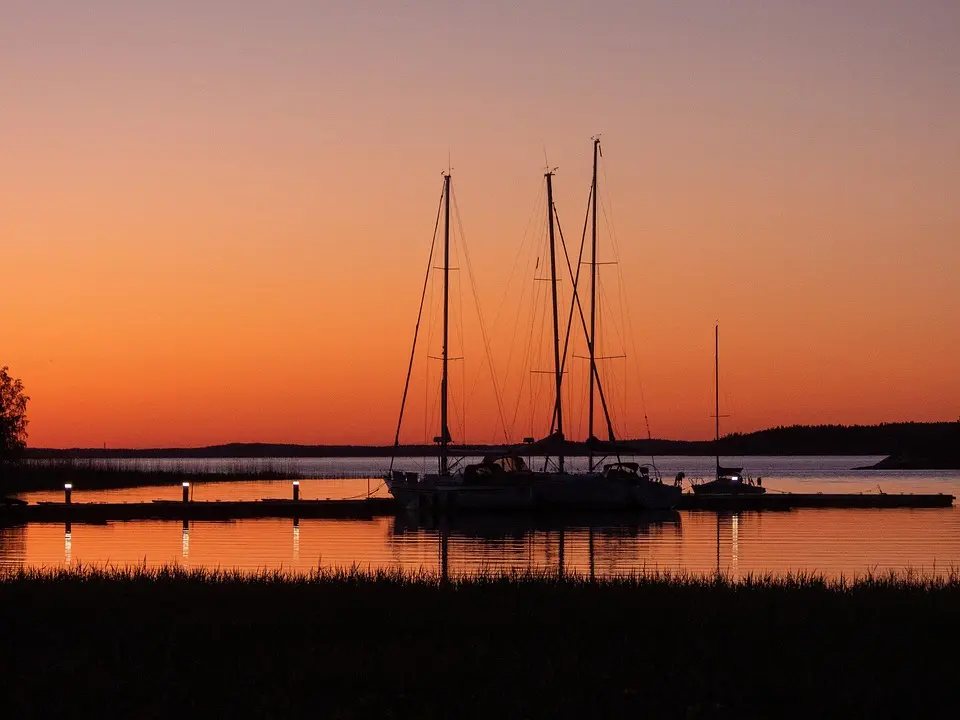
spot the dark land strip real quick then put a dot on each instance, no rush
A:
(932, 445)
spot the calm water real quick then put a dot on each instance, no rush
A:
(834, 542)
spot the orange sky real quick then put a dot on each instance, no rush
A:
(215, 222)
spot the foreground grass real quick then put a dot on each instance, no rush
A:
(147, 643)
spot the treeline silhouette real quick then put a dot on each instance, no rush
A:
(932, 440)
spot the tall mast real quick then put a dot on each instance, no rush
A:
(716, 385)
(593, 300)
(558, 371)
(444, 433)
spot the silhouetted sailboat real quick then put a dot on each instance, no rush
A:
(506, 482)
(728, 480)
(464, 489)
(617, 484)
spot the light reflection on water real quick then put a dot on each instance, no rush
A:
(833, 542)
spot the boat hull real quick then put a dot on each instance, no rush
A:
(719, 487)
(535, 491)
(596, 492)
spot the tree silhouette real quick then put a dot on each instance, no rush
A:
(13, 418)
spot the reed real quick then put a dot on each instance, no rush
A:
(906, 581)
(353, 642)
(34, 475)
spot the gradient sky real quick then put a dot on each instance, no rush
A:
(215, 215)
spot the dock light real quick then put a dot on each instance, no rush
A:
(186, 492)
(296, 489)
(67, 492)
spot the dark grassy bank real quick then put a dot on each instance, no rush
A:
(32, 475)
(149, 644)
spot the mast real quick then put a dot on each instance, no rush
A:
(593, 300)
(716, 385)
(444, 433)
(558, 371)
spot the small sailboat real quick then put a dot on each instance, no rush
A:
(728, 480)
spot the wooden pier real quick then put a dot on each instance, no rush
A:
(363, 509)
(368, 508)
(789, 501)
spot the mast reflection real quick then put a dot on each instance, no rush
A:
(590, 545)
(296, 539)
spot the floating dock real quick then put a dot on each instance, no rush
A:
(369, 508)
(789, 501)
(363, 509)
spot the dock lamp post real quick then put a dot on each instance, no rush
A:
(67, 492)
(186, 492)
(296, 489)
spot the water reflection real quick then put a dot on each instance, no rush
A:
(728, 542)
(833, 542)
(12, 546)
(567, 543)
(296, 540)
(735, 543)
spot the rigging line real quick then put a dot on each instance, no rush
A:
(431, 329)
(603, 202)
(583, 322)
(483, 330)
(539, 323)
(629, 319)
(458, 324)
(533, 257)
(534, 348)
(623, 312)
(516, 323)
(575, 278)
(616, 330)
(413, 350)
(426, 379)
(525, 356)
(456, 410)
(516, 260)
(522, 377)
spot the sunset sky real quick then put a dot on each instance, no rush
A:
(215, 216)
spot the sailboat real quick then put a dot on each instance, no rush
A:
(506, 482)
(615, 485)
(728, 480)
(448, 488)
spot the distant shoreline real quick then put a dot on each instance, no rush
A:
(913, 442)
